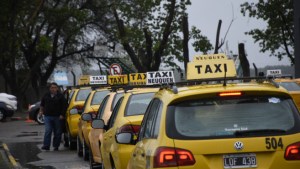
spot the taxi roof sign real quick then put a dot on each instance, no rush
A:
(210, 66)
(275, 72)
(98, 79)
(137, 78)
(220, 56)
(160, 77)
(117, 79)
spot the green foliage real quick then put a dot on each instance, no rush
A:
(278, 37)
(201, 43)
(152, 16)
(44, 44)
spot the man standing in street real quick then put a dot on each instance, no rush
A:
(53, 106)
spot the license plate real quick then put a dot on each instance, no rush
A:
(240, 160)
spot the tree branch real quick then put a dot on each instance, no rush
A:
(149, 44)
(167, 31)
(125, 43)
(286, 46)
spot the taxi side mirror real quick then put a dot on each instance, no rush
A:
(98, 124)
(125, 138)
(74, 111)
(86, 117)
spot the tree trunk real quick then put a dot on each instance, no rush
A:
(244, 61)
(217, 47)
(185, 31)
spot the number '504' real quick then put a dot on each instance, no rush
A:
(273, 143)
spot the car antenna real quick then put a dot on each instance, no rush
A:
(225, 71)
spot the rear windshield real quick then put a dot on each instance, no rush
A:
(98, 97)
(82, 94)
(290, 86)
(232, 116)
(138, 103)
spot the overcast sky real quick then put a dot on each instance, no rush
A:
(205, 14)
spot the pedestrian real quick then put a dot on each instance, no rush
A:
(53, 106)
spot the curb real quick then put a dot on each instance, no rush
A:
(12, 160)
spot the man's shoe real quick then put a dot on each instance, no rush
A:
(45, 148)
(55, 149)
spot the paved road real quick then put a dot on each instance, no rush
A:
(24, 140)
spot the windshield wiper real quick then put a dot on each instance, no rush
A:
(258, 131)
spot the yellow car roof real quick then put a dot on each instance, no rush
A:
(285, 80)
(142, 90)
(206, 89)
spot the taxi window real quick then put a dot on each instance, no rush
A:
(70, 96)
(227, 117)
(102, 107)
(116, 98)
(86, 101)
(114, 113)
(290, 86)
(99, 96)
(150, 125)
(138, 103)
(82, 94)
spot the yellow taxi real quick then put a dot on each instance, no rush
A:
(91, 106)
(96, 135)
(223, 123)
(292, 86)
(75, 109)
(126, 117)
(297, 80)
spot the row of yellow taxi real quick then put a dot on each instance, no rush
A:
(217, 122)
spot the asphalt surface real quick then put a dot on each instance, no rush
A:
(24, 140)
(4, 161)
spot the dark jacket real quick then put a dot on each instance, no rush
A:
(54, 106)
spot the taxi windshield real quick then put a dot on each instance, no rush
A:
(99, 96)
(290, 86)
(82, 94)
(220, 117)
(138, 103)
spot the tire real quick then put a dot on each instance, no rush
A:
(93, 164)
(85, 151)
(79, 147)
(39, 118)
(72, 144)
(2, 115)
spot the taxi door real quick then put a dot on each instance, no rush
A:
(140, 157)
(108, 136)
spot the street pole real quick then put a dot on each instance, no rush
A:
(297, 37)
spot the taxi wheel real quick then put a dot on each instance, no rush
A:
(93, 164)
(85, 151)
(79, 147)
(72, 144)
(2, 115)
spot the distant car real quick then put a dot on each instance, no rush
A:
(293, 86)
(33, 112)
(8, 105)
